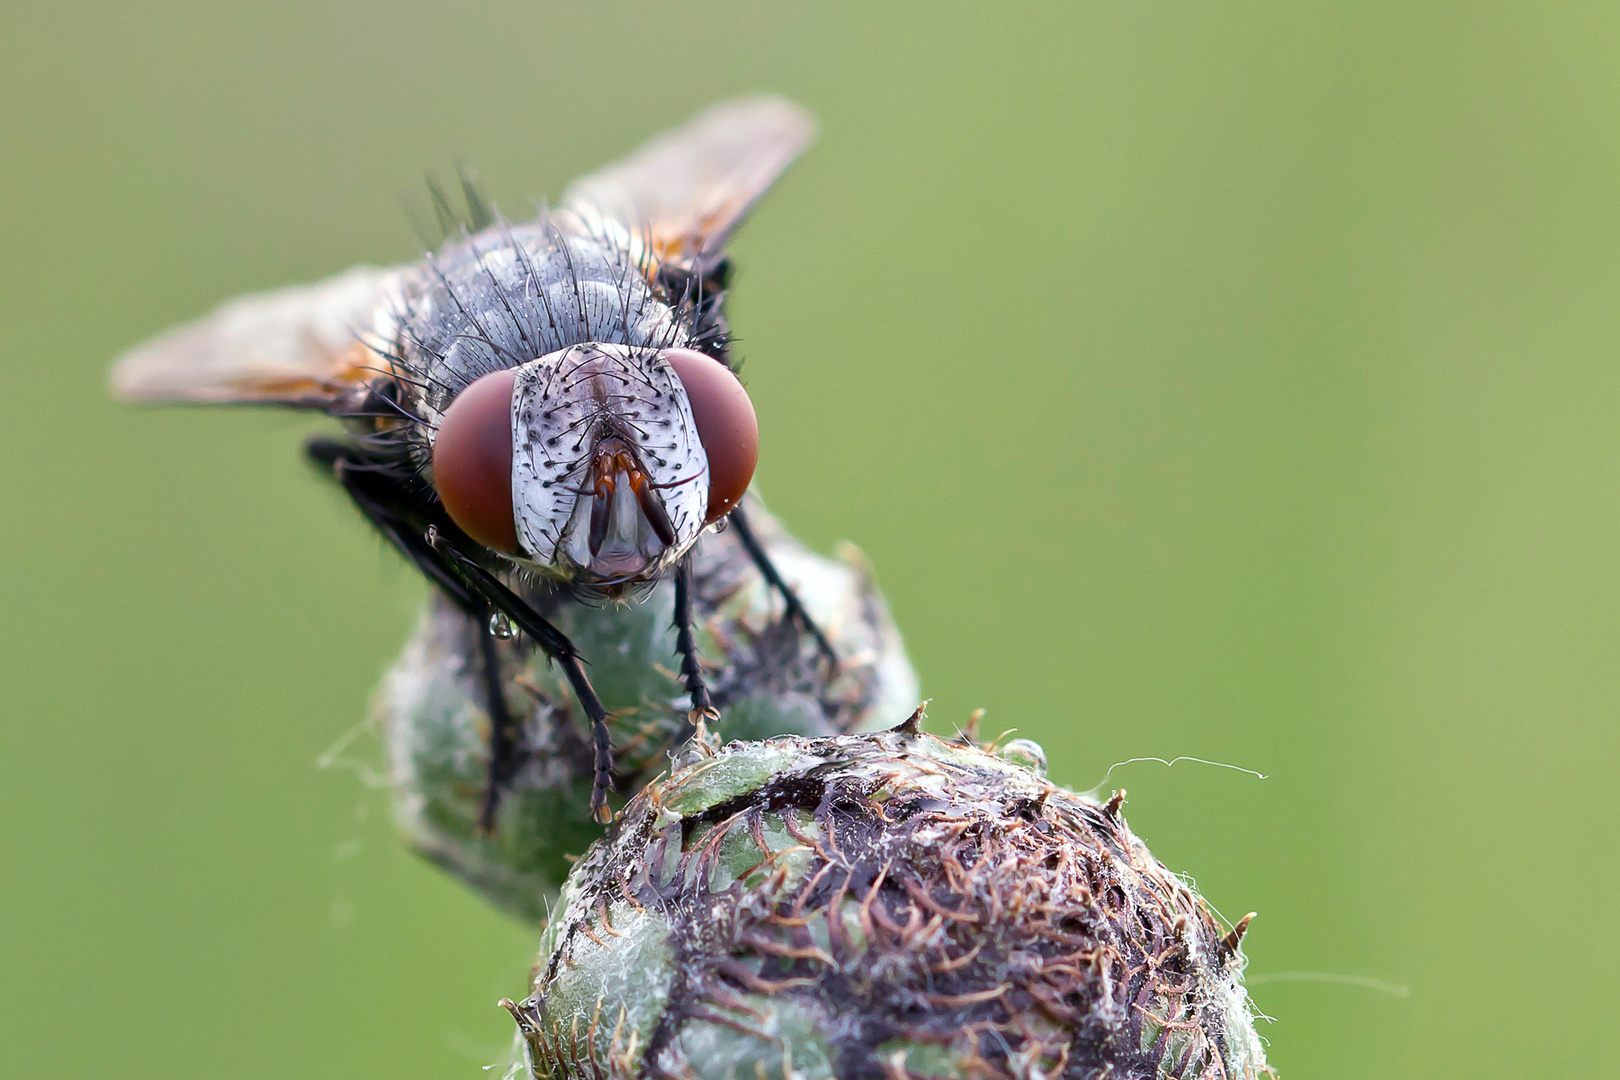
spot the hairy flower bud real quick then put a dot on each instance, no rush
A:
(765, 675)
(880, 906)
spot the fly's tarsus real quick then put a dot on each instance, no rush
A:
(702, 705)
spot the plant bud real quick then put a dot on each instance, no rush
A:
(765, 676)
(879, 906)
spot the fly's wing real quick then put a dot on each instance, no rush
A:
(688, 189)
(302, 346)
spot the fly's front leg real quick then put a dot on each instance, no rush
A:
(702, 707)
(423, 534)
(556, 645)
(773, 577)
(503, 730)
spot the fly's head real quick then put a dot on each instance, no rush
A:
(601, 463)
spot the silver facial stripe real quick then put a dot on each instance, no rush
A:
(563, 406)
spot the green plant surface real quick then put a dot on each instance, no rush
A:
(880, 905)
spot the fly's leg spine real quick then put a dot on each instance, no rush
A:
(773, 577)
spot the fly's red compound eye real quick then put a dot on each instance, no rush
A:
(726, 425)
(472, 461)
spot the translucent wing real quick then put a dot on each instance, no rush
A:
(689, 189)
(302, 345)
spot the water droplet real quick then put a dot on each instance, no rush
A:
(501, 627)
(1026, 753)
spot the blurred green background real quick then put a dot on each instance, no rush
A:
(1225, 379)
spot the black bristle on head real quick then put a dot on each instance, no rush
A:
(480, 212)
(700, 297)
(450, 221)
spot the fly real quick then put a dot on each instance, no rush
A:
(533, 409)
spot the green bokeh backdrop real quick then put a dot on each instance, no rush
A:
(1226, 379)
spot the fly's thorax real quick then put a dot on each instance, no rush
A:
(609, 477)
(515, 292)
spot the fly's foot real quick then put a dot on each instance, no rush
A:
(601, 812)
(700, 738)
(698, 718)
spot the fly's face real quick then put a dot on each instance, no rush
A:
(609, 476)
(601, 463)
